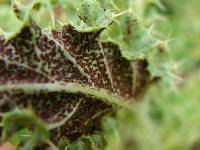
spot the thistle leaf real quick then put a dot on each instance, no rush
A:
(138, 43)
(69, 78)
(93, 16)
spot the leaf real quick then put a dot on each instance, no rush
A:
(93, 16)
(69, 78)
(20, 10)
(93, 142)
(138, 43)
(134, 39)
(17, 120)
(23, 10)
(109, 139)
(83, 143)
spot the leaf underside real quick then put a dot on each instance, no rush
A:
(70, 79)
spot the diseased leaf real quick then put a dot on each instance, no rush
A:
(69, 77)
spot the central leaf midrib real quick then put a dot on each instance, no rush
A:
(100, 94)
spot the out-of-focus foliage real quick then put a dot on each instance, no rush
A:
(168, 119)
(165, 120)
(24, 122)
(8, 21)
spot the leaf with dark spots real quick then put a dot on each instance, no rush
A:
(69, 78)
(88, 53)
(121, 70)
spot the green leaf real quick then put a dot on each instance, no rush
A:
(20, 136)
(138, 43)
(17, 120)
(21, 10)
(93, 16)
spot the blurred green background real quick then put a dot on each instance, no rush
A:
(168, 118)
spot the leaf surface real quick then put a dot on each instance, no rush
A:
(69, 78)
